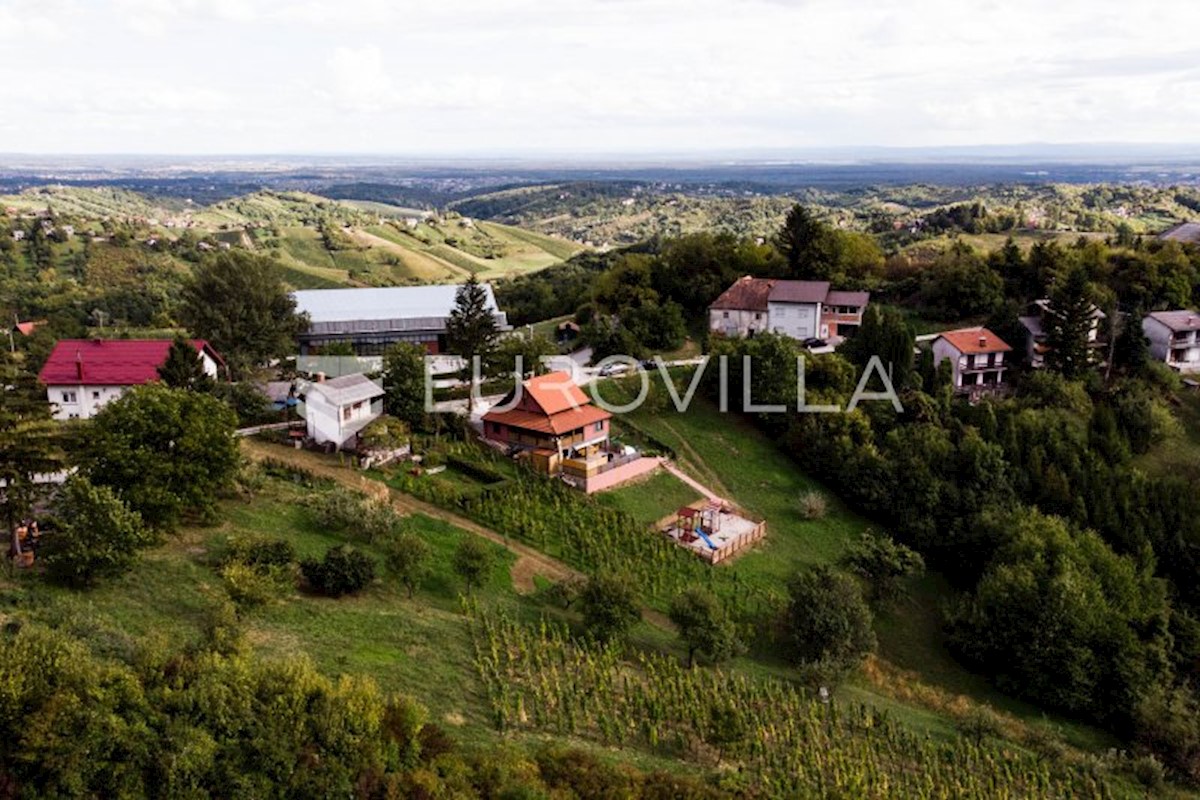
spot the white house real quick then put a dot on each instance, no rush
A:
(976, 356)
(1037, 324)
(82, 375)
(799, 309)
(1174, 338)
(337, 409)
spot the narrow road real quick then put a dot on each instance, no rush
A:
(529, 561)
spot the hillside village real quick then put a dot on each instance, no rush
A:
(249, 433)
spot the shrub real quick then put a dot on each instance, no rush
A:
(432, 458)
(828, 620)
(338, 508)
(472, 561)
(979, 723)
(407, 559)
(610, 607)
(99, 537)
(344, 570)
(251, 587)
(813, 505)
(259, 552)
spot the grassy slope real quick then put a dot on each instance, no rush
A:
(645, 500)
(735, 459)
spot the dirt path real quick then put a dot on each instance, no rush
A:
(530, 562)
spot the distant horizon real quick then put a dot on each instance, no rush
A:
(1031, 152)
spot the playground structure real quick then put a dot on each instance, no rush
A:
(713, 529)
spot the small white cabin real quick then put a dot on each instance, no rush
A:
(337, 409)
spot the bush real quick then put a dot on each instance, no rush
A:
(251, 587)
(979, 723)
(338, 508)
(472, 561)
(259, 552)
(99, 536)
(344, 570)
(610, 607)
(813, 505)
(432, 458)
(828, 620)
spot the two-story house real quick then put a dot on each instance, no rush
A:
(82, 375)
(1039, 321)
(976, 357)
(799, 309)
(1174, 338)
(554, 423)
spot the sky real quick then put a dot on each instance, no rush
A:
(487, 77)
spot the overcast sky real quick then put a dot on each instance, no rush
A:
(468, 77)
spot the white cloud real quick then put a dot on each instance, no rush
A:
(651, 75)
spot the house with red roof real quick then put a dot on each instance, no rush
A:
(976, 357)
(82, 375)
(550, 420)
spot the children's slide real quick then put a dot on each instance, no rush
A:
(707, 540)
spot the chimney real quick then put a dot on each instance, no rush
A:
(983, 341)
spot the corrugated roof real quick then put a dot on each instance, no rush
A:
(746, 294)
(1178, 321)
(975, 340)
(110, 362)
(383, 303)
(347, 389)
(840, 298)
(799, 291)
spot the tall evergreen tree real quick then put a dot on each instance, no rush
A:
(1068, 323)
(183, 368)
(471, 328)
(29, 443)
(886, 334)
(807, 244)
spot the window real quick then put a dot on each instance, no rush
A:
(599, 426)
(69, 397)
(724, 315)
(346, 412)
(758, 315)
(95, 395)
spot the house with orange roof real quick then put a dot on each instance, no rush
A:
(976, 357)
(550, 421)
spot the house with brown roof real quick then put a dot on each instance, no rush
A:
(799, 309)
(550, 420)
(976, 357)
(1174, 338)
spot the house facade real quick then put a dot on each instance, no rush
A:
(337, 409)
(553, 424)
(81, 376)
(976, 356)
(799, 309)
(1174, 338)
(1038, 322)
(371, 319)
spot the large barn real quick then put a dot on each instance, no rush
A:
(370, 319)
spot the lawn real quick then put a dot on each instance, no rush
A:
(650, 499)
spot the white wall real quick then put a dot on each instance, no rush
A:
(734, 322)
(1160, 337)
(798, 320)
(80, 402)
(330, 423)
